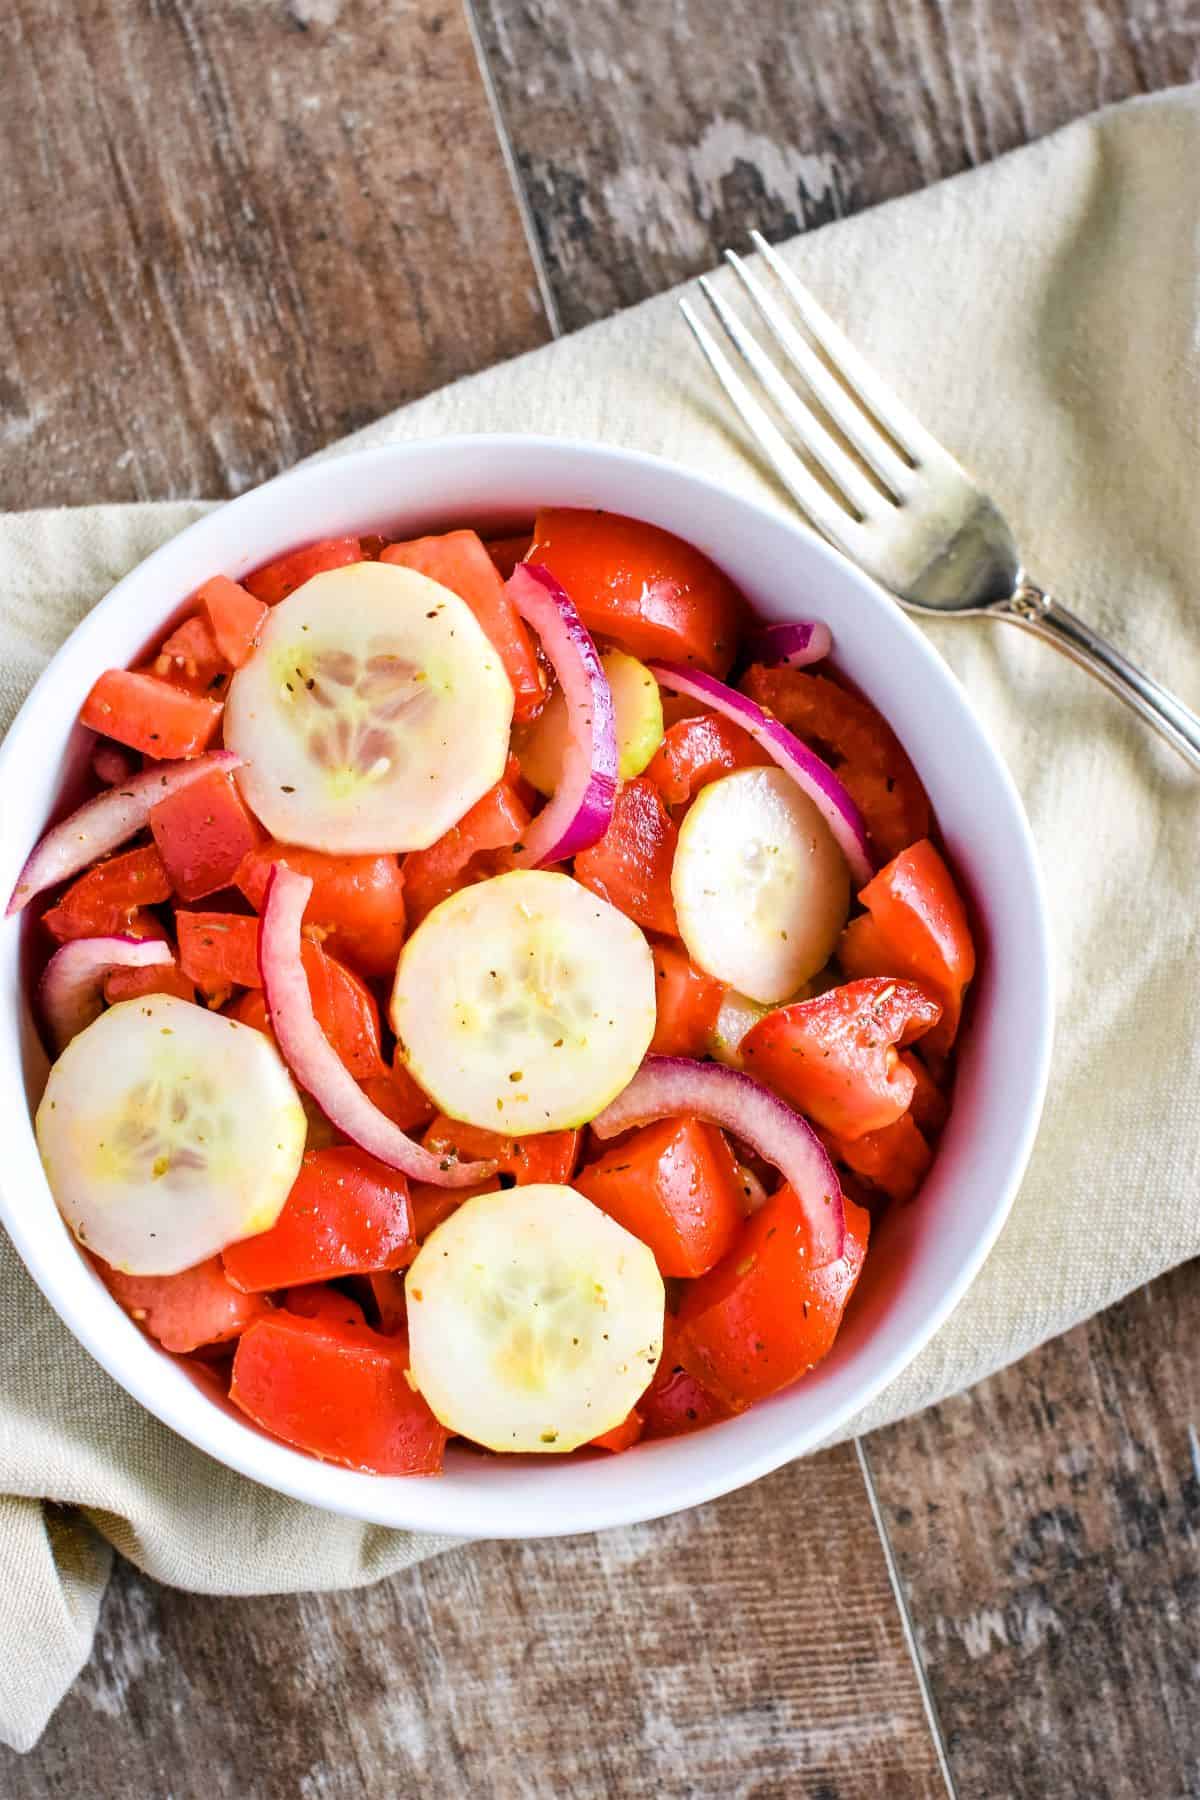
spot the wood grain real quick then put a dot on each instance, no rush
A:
(1047, 1526)
(751, 1648)
(235, 230)
(652, 133)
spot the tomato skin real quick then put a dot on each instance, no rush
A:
(675, 1403)
(459, 560)
(929, 1106)
(834, 1057)
(653, 594)
(357, 901)
(623, 1436)
(896, 1160)
(132, 984)
(868, 756)
(675, 1186)
(274, 581)
(317, 1300)
(507, 552)
(191, 659)
(218, 950)
(105, 900)
(197, 1306)
(695, 751)
(151, 715)
(203, 833)
(346, 1011)
(398, 1095)
(234, 616)
(338, 1391)
(630, 867)
(433, 1205)
(544, 1156)
(469, 851)
(687, 1003)
(764, 1316)
(916, 926)
(347, 1214)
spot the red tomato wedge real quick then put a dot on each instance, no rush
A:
(132, 984)
(764, 1316)
(341, 1392)
(895, 1160)
(623, 1436)
(929, 1106)
(675, 1403)
(320, 1301)
(544, 1156)
(460, 562)
(218, 950)
(105, 901)
(197, 1306)
(507, 552)
(699, 750)
(835, 1059)
(347, 1214)
(654, 595)
(469, 851)
(631, 865)
(234, 616)
(357, 902)
(150, 715)
(203, 833)
(675, 1186)
(859, 743)
(398, 1095)
(688, 1002)
(276, 580)
(916, 927)
(192, 659)
(432, 1205)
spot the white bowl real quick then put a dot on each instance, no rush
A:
(923, 1257)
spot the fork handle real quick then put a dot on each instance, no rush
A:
(1040, 613)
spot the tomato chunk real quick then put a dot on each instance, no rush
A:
(340, 1392)
(696, 751)
(191, 659)
(507, 552)
(234, 616)
(203, 833)
(460, 562)
(896, 1159)
(105, 901)
(469, 851)
(675, 1186)
(917, 928)
(391, 1302)
(347, 1214)
(218, 950)
(649, 591)
(276, 580)
(357, 902)
(543, 1156)
(431, 1205)
(623, 1436)
(132, 984)
(197, 1306)
(860, 744)
(929, 1106)
(346, 1011)
(151, 715)
(631, 865)
(764, 1316)
(675, 1403)
(320, 1301)
(834, 1057)
(398, 1095)
(688, 1002)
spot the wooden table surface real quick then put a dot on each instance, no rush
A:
(233, 230)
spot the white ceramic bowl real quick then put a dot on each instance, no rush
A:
(923, 1257)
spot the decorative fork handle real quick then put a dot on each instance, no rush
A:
(1040, 613)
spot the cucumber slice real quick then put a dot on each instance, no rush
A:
(524, 1003)
(373, 713)
(167, 1132)
(637, 713)
(534, 1320)
(761, 888)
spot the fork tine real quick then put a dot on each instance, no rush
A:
(891, 411)
(805, 489)
(857, 490)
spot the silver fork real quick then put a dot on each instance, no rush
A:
(923, 528)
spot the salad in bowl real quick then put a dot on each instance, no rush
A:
(494, 988)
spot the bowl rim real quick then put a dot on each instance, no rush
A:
(294, 1473)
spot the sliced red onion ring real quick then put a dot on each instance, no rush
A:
(71, 992)
(100, 825)
(582, 808)
(794, 644)
(806, 769)
(312, 1058)
(665, 1086)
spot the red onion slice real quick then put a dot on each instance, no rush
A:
(312, 1058)
(806, 769)
(100, 825)
(582, 808)
(71, 991)
(794, 644)
(669, 1086)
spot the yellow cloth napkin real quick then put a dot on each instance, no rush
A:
(1043, 317)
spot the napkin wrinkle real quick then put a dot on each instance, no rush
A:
(1042, 316)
